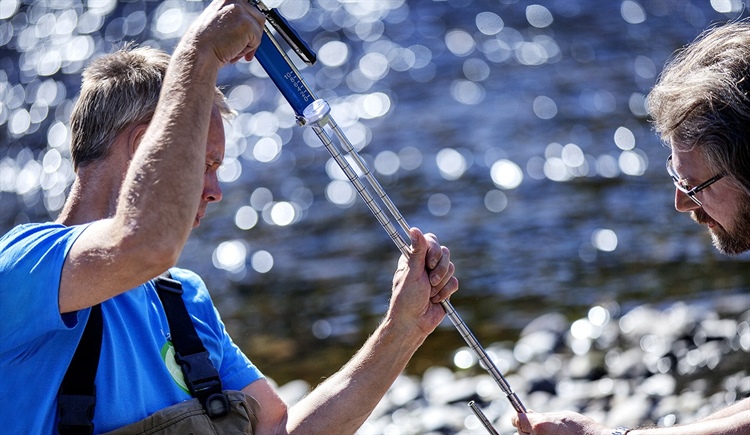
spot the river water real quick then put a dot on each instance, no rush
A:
(514, 130)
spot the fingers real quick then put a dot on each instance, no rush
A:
(255, 12)
(228, 29)
(521, 422)
(258, 24)
(439, 265)
(419, 248)
(434, 251)
(445, 288)
(440, 270)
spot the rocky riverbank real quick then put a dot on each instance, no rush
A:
(662, 366)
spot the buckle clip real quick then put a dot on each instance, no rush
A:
(204, 383)
(76, 413)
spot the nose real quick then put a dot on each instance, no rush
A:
(683, 203)
(211, 188)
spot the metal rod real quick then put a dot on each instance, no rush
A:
(368, 174)
(361, 189)
(482, 418)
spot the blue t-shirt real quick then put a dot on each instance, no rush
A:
(137, 375)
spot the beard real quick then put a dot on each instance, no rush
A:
(730, 243)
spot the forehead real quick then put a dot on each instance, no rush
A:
(690, 165)
(216, 139)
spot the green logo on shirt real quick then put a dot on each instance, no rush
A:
(167, 354)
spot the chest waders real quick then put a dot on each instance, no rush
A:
(77, 395)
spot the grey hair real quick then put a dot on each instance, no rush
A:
(118, 90)
(702, 100)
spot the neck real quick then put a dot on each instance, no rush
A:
(93, 195)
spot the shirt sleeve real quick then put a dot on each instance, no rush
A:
(235, 368)
(31, 262)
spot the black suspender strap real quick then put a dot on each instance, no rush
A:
(76, 399)
(77, 396)
(201, 376)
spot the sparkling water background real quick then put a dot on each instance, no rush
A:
(516, 131)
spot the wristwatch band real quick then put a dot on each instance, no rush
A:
(621, 431)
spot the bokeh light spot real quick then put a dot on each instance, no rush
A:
(439, 204)
(604, 240)
(464, 359)
(633, 162)
(506, 174)
(333, 53)
(341, 193)
(246, 217)
(261, 261)
(632, 12)
(624, 138)
(283, 213)
(489, 23)
(467, 92)
(387, 162)
(459, 42)
(538, 16)
(230, 256)
(544, 107)
(451, 163)
(495, 201)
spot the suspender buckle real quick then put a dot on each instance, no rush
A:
(204, 383)
(76, 413)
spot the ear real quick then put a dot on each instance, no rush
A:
(134, 138)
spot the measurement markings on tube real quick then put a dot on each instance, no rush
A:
(297, 83)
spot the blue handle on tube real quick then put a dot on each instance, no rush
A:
(284, 75)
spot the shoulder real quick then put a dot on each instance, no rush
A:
(193, 287)
(23, 235)
(189, 279)
(198, 302)
(32, 242)
(31, 263)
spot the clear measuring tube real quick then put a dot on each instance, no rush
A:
(315, 113)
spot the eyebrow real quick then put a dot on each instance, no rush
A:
(214, 161)
(686, 180)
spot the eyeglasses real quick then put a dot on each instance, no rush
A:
(683, 187)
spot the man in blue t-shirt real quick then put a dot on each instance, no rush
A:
(147, 139)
